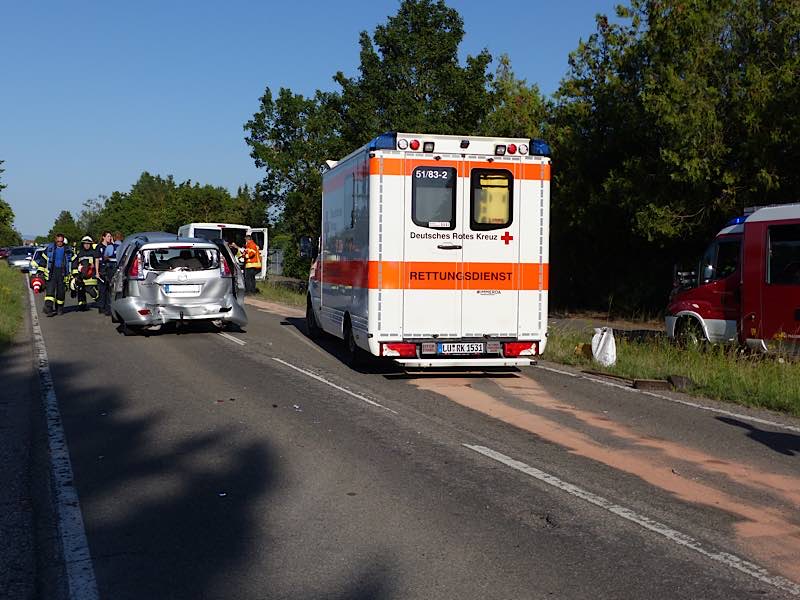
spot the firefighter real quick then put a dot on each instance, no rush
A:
(58, 257)
(252, 265)
(84, 272)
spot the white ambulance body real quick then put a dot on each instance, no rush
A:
(434, 250)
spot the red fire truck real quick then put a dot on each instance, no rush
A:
(747, 285)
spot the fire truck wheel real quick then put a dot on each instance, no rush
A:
(689, 333)
(312, 326)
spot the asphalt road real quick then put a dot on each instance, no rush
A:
(258, 465)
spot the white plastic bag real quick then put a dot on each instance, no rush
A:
(604, 348)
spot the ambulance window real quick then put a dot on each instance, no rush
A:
(433, 197)
(783, 266)
(491, 198)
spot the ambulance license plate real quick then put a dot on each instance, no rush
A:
(460, 348)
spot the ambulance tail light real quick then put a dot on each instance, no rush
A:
(427, 147)
(540, 148)
(414, 144)
(511, 148)
(399, 350)
(135, 271)
(402, 144)
(523, 148)
(500, 150)
(514, 349)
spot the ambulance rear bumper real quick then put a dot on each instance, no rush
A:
(465, 362)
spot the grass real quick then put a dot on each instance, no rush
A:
(272, 292)
(719, 372)
(12, 302)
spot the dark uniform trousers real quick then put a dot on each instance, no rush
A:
(56, 289)
(107, 270)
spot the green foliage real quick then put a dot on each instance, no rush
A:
(518, 110)
(8, 235)
(12, 299)
(410, 79)
(155, 203)
(65, 223)
(666, 126)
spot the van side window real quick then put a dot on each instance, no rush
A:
(491, 199)
(433, 197)
(783, 255)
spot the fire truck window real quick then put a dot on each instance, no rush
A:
(433, 197)
(727, 259)
(491, 199)
(783, 267)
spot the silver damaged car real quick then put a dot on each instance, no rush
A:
(163, 278)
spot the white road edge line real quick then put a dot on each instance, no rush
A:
(229, 337)
(81, 581)
(720, 411)
(333, 385)
(672, 535)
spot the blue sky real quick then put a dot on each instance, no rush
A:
(93, 93)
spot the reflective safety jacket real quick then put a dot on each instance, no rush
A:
(41, 265)
(48, 254)
(252, 256)
(84, 263)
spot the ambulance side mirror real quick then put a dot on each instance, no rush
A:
(308, 249)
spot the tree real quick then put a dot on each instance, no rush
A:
(518, 110)
(410, 79)
(66, 224)
(8, 235)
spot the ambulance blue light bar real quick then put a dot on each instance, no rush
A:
(385, 141)
(540, 148)
(736, 221)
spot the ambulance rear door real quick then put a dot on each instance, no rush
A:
(260, 237)
(490, 296)
(432, 268)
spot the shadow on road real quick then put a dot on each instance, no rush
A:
(176, 515)
(783, 443)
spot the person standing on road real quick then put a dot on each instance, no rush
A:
(84, 272)
(107, 254)
(252, 265)
(59, 257)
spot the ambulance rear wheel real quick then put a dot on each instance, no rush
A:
(353, 352)
(313, 328)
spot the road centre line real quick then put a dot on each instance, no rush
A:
(729, 560)
(712, 409)
(81, 582)
(228, 336)
(333, 385)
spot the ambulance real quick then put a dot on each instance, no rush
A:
(746, 288)
(230, 232)
(434, 251)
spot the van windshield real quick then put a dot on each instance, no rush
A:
(181, 259)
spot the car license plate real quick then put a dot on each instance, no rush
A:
(174, 289)
(460, 348)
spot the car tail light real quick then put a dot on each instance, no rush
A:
(135, 270)
(414, 144)
(512, 349)
(511, 148)
(224, 269)
(399, 350)
(144, 311)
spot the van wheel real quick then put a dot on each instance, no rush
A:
(313, 328)
(689, 333)
(353, 352)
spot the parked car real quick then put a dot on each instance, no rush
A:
(165, 278)
(19, 257)
(4, 252)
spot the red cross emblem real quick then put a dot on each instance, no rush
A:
(506, 238)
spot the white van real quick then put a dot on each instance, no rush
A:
(434, 250)
(230, 233)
